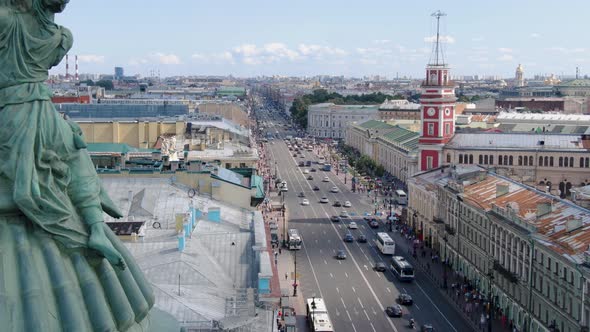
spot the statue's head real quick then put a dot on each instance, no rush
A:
(55, 6)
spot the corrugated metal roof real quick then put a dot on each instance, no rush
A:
(508, 141)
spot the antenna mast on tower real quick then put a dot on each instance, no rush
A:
(438, 50)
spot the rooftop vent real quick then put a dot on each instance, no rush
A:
(501, 189)
(573, 224)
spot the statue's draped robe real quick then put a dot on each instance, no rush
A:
(49, 192)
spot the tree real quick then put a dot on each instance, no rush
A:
(107, 84)
(88, 82)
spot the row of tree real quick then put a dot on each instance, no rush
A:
(300, 105)
(106, 84)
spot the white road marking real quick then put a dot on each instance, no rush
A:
(361, 303)
(378, 274)
(354, 290)
(373, 327)
(435, 306)
(342, 300)
(337, 290)
(325, 262)
(340, 262)
(389, 290)
(366, 268)
(346, 274)
(417, 307)
(348, 313)
(366, 314)
(331, 275)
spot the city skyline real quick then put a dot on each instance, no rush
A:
(308, 39)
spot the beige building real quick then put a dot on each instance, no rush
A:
(399, 110)
(227, 110)
(526, 250)
(328, 120)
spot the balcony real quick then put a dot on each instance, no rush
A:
(450, 230)
(438, 220)
(510, 276)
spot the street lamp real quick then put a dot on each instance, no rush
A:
(295, 277)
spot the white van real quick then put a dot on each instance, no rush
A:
(400, 197)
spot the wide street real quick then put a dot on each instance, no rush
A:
(356, 295)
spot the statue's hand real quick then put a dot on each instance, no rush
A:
(99, 242)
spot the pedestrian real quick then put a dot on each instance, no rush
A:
(286, 275)
(279, 250)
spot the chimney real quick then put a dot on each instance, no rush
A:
(76, 77)
(573, 223)
(543, 208)
(501, 189)
(67, 67)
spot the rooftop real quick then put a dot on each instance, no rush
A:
(516, 141)
(375, 124)
(226, 150)
(402, 137)
(575, 83)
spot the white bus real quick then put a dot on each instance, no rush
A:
(401, 197)
(294, 239)
(402, 269)
(317, 315)
(385, 243)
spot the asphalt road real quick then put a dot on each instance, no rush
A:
(356, 295)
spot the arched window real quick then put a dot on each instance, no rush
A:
(581, 162)
(526, 161)
(566, 162)
(500, 160)
(511, 161)
(486, 159)
(491, 160)
(571, 161)
(551, 161)
(480, 159)
(519, 160)
(448, 157)
(531, 160)
(540, 161)
(471, 159)
(546, 161)
(560, 161)
(587, 162)
(460, 159)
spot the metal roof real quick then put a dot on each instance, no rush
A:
(512, 141)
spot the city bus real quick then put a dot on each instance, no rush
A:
(317, 315)
(402, 269)
(294, 239)
(385, 243)
(400, 197)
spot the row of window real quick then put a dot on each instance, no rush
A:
(544, 161)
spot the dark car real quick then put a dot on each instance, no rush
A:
(310, 177)
(374, 224)
(308, 163)
(348, 238)
(312, 170)
(341, 254)
(427, 328)
(295, 156)
(337, 204)
(301, 194)
(380, 267)
(274, 239)
(394, 311)
(335, 218)
(316, 188)
(405, 299)
(362, 238)
(300, 163)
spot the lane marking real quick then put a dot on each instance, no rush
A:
(436, 307)
(348, 313)
(344, 304)
(337, 290)
(417, 307)
(325, 262)
(346, 274)
(372, 327)
(354, 290)
(389, 290)
(361, 303)
(331, 275)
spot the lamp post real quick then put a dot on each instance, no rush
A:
(390, 211)
(295, 277)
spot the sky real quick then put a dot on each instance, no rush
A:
(248, 38)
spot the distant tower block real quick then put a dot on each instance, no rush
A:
(437, 106)
(119, 73)
(519, 76)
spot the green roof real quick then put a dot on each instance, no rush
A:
(575, 83)
(115, 147)
(375, 124)
(258, 182)
(232, 90)
(403, 137)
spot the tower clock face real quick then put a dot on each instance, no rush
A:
(431, 111)
(447, 111)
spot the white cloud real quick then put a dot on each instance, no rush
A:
(505, 50)
(319, 51)
(506, 57)
(535, 35)
(381, 41)
(214, 58)
(564, 50)
(252, 54)
(442, 39)
(91, 58)
(137, 61)
(246, 50)
(477, 39)
(166, 59)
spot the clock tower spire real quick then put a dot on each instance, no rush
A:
(437, 106)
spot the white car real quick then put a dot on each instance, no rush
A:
(305, 201)
(347, 204)
(284, 188)
(352, 225)
(344, 214)
(334, 189)
(326, 179)
(305, 171)
(324, 200)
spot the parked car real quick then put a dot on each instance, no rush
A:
(347, 204)
(380, 267)
(305, 201)
(374, 224)
(405, 299)
(427, 328)
(344, 214)
(337, 204)
(316, 188)
(324, 200)
(305, 171)
(312, 169)
(352, 225)
(274, 239)
(348, 238)
(301, 194)
(362, 238)
(335, 218)
(394, 311)
(341, 254)
(334, 189)
(310, 177)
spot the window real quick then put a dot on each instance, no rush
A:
(429, 162)
(519, 160)
(480, 159)
(448, 157)
(526, 161)
(431, 129)
(471, 159)
(571, 161)
(511, 161)
(460, 159)
(551, 161)
(560, 161)
(581, 162)
(500, 160)
(491, 160)
(540, 161)
(485, 160)
(566, 162)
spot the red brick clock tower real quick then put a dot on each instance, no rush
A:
(438, 107)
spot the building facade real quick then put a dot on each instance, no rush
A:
(331, 121)
(525, 250)
(399, 110)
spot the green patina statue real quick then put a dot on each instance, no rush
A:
(61, 267)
